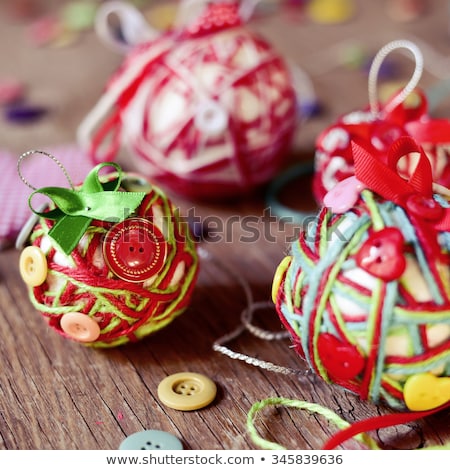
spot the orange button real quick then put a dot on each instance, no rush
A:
(80, 327)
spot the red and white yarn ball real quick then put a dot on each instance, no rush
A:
(208, 111)
(333, 155)
(123, 281)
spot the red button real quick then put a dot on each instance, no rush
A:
(341, 360)
(382, 254)
(424, 207)
(135, 249)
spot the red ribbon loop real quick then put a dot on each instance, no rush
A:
(415, 194)
(385, 180)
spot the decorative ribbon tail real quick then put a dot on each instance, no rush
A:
(68, 231)
(378, 422)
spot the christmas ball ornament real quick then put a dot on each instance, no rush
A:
(207, 109)
(379, 125)
(110, 261)
(365, 290)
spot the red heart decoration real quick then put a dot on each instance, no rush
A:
(341, 360)
(382, 254)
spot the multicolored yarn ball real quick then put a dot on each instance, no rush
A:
(109, 262)
(379, 125)
(365, 290)
(207, 109)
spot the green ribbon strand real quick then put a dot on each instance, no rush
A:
(76, 208)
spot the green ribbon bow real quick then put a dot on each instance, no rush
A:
(76, 208)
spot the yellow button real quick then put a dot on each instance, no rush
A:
(425, 391)
(33, 266)
(187, 391)
(279, 273)
(80, 327)
(331, 11)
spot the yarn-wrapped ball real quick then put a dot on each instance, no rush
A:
(208, 110)
(365, 289)
(126, 278)
(333, 160)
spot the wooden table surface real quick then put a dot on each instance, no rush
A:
(57, 394)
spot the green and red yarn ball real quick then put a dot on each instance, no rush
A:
(98, 295)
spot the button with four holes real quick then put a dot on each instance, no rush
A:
(33, 266)
(187, 391)
(80, 327)
(135, 249)
(151, 439)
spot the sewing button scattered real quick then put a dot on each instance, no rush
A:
(425, 391)
(382, 254)
(80, 327)
(187, 391)
(344, 195)
(331, 11)
(424, 207)
(135, 249)
(24, 113)
(33, 266)
(44, 30)
(341, 360)
(79, 15)
(151, 440)
(10, 91)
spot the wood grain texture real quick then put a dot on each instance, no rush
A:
(56, 394)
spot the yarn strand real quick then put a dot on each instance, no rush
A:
(246, 325)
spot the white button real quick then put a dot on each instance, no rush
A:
(210, 118)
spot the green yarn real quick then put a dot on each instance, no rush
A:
(397, 327)
(330, 415)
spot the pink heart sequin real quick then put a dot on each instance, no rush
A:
(344, 195)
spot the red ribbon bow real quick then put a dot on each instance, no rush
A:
(415, 195)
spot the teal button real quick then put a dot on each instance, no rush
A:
(151, 440)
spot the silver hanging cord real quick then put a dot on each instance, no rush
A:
(246, 325)
(375, 68)
(52, 157)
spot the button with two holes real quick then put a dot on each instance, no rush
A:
(187, 391)
(80, 327)
(135, 249)
(151, 439)
(33, 266)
